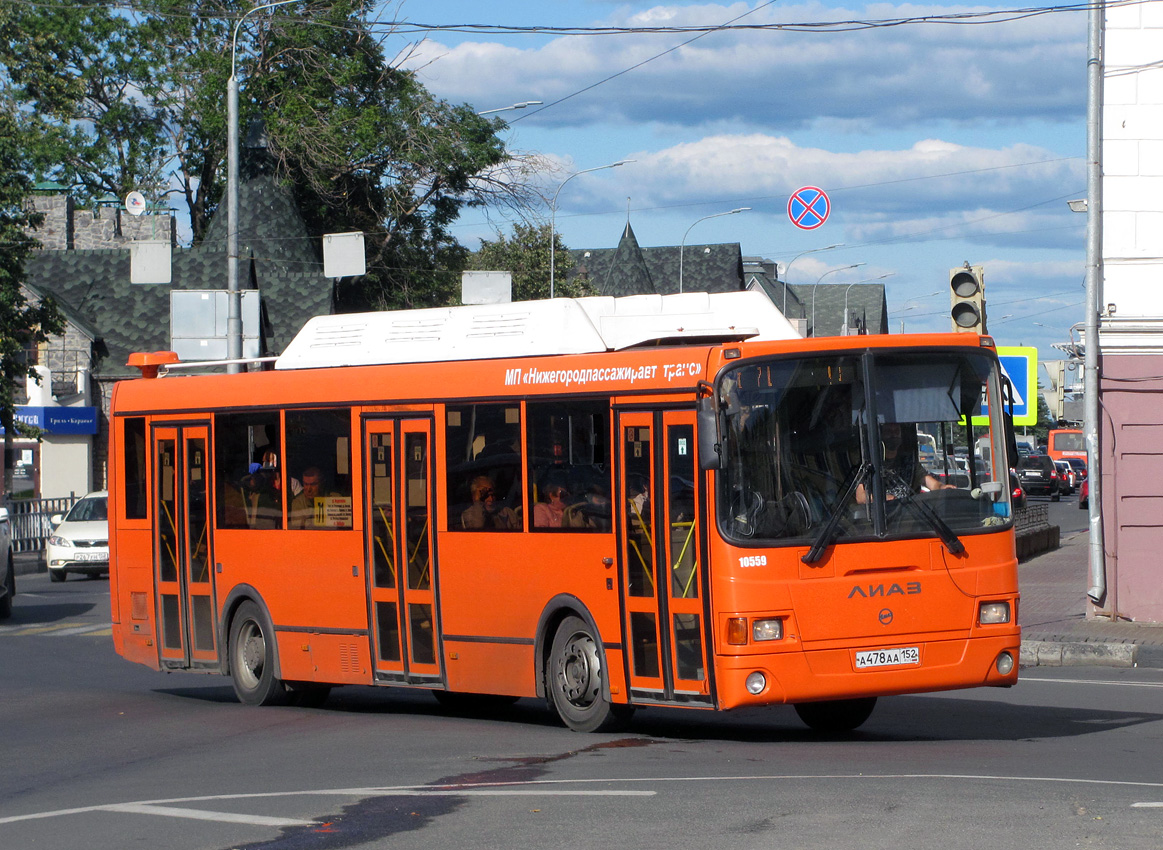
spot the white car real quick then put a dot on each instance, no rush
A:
(80, 539)
(7, 567)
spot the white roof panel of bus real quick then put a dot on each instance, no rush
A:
(529, 328)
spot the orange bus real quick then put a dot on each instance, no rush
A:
(1062, 443)
(605, 503)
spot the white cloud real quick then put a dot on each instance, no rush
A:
(885, 77)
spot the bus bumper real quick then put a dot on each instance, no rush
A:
(825, 674)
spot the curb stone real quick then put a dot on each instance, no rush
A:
(1040, 653)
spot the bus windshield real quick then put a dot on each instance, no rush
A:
(862, 446)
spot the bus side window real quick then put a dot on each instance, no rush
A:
(568, 465)
(318, 461)
(483, 454)
(248, 493)
(133, 475)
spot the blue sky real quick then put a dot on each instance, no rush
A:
(938, 143)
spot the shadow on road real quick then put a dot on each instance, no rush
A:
(896, 719)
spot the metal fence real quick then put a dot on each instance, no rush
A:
(30, 521)
(1031, 517)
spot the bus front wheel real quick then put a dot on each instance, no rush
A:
(838, 715)
(252, 658)
(575, 681)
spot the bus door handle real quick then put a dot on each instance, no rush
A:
(607, 562)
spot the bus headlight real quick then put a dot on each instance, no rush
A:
(767, 630)
(756, 682)
(1005, 663)
(992, 613)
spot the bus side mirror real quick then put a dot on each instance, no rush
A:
(710, 431)
(1008, 417)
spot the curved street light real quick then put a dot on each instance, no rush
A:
(682, 244)
(520, 105)
(553, 212)
(844, 330)
(817, 283)
(787, 268)
(234, 294)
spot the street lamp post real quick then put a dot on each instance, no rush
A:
(553, 212)
(787, 268)
(234, 294)
(682, 244)
(866, 280)
(520, 105)
(817, 283)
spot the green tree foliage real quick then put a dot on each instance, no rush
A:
(115, 102)
(22, 324)
(526, 255)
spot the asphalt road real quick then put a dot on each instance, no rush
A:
(104, 754)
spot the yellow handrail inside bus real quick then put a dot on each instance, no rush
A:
(427, 561)
(384, 549)
(690, 526)
(173, 528)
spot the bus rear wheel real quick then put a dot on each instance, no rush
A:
(575, 681)
(252, 658)
(838, 715)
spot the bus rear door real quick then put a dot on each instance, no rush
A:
(401, 581)
(663, 574)
(182, 557)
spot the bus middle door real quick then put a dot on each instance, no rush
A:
(401, 583)
(661, 551)
(182, 558)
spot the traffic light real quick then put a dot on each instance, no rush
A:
(967, 299)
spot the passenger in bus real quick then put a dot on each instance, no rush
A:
(485, 512)
(303, 506)
(260, 497)
(557, 513)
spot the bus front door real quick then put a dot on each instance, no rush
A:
(182, 557)
(662, 558)
(401, 584)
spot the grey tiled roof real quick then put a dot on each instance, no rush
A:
(866, 300)
(276, 256)
(630, 269)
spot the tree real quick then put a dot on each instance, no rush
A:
(364, 145)
(526, 255)
(22, 324)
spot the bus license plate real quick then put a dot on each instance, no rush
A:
(888, 657)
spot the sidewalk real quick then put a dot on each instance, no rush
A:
(1052, 614)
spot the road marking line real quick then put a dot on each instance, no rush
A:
(1025, 679)
(82, 630)
(196, 814)
(543, 787)
(1147, 805)
(58, 630)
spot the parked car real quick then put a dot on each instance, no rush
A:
(1066, 476)
(1039, 477)
(1084, 494)
(80, 539)
(8, 588)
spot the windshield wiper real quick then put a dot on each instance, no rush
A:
(826, 534)
(948, 536)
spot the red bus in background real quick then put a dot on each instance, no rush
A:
(609, 504)
(1062, 443)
